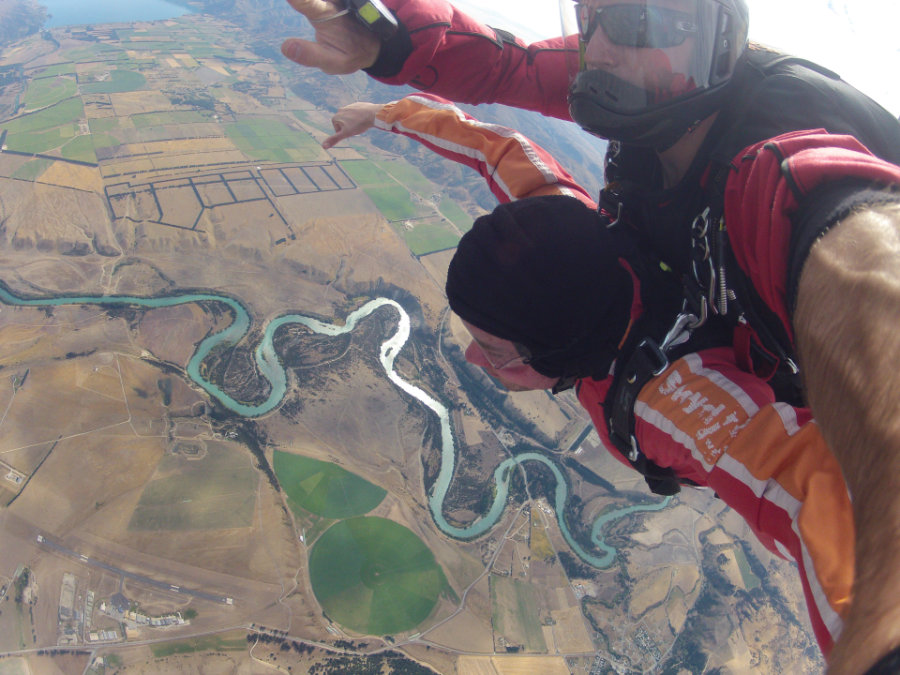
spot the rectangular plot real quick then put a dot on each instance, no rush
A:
(214, 193)
(341, 179)
(179, 205)
(237, 175)
(245, 190)
(322, 180)
(137, 205)
(277, 182)
(300, 180)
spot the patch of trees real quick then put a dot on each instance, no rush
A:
(490, 401)
(21, 584)
(573, 567)
(283, 642)
(194, 99)
(588, 475)
(249, 433)
(10, 74)
(384, 663)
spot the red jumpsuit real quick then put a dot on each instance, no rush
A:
(704, 417)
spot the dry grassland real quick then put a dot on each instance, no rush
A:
(73, 176)
(662, 525)
(570, 632)
(541, 548)
(63, 664)
(131, 103)
(686, 578)
(541, 409)
(718, 537)
(650, 588)
(51, 218)
(476, 665)
(186, 147)
(468, 631)
(217, 66)
(512, 665)
(171, 333)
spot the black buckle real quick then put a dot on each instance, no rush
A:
(657, 361)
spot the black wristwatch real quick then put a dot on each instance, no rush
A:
(375, 16)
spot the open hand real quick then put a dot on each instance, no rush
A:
(342, 44)
(352, 120)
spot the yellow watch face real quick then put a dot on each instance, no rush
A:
(368, 13)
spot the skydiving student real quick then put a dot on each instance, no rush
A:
(765, 183)
(551, 296)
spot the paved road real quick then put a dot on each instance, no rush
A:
(47, 542)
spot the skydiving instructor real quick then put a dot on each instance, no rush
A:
(767, 185)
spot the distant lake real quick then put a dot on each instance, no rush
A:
(79, 12)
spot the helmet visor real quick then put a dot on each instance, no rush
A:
(643, 53)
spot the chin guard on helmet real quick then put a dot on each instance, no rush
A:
(635, 82)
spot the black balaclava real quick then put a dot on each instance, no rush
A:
(545, 272)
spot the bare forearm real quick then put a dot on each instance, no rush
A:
(848, 334)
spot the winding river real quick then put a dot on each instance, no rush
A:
(270, 367)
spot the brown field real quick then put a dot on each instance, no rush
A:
(73, 176)
(52, 219)
(570, 632)
(511, 665)
(91, 426)
(649, 590)
(131, 103)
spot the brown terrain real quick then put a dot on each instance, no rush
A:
(97, 411)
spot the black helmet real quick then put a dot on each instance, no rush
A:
(651, 69)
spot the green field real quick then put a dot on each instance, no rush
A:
(32, 169)
(41, 141)
(48, 91)
(429, 237)
(80, 148)
(101, 124)
(374, 576)
(408, 175)
(218, 491)
(395, 204)
(99, 51)
(366, 173)
(58, 69)
(515, 612)
(211, 643)
(119, 81)
(144, 120)
(306, 119)
(323, 488)
(66, 112)
(272, 140)
(452, 212)
(751, 581)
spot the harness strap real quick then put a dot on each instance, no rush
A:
(646, 362)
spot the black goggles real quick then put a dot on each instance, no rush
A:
(636, 25)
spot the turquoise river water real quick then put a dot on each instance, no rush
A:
(270, 367)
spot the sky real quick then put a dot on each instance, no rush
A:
(858, 39)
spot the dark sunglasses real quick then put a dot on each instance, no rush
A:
(636, 25)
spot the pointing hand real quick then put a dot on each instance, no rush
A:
(352, 120)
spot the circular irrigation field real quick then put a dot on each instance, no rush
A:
(374, 576)
(325, 489)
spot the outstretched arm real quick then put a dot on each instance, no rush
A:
(512, 165)
(847, 322)
(440, 50)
